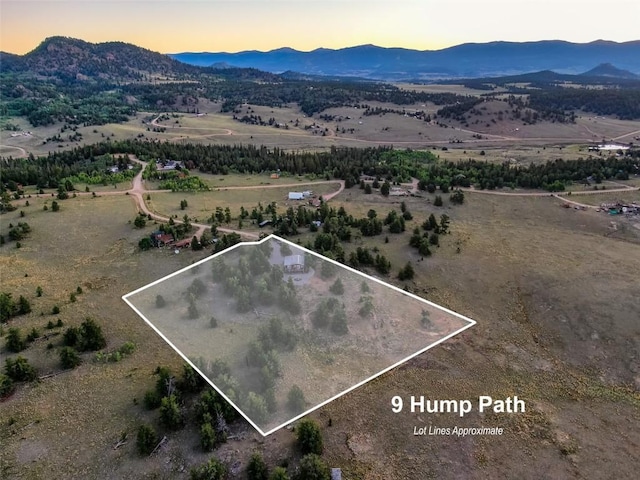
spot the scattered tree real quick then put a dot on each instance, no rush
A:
(160, 301)
(170, 415)
(212, 470)
(309, 437)
(15, 343)
(207, 437)
(146, 440)
(337, 288)
(279, 473)
(69, 358)
(406, 273)
(295, 399)
(145, 243)
(457, 197)
(91, 337)
(140, 221)
(257, 468)
(20, 370)
(312, 467)
(6, 385)
(193, 310)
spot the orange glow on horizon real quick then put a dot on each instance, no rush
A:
(172, 26)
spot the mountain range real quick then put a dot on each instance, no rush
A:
(471, 60)
(547, 61)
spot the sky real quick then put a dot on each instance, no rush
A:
(172, 26)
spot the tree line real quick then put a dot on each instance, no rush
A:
(345, 163)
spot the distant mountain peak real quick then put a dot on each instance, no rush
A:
(609, 70)
(72, 58)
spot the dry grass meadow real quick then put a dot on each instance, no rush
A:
(552, 290)
(214, 127)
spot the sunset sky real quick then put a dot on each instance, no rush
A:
(172, 26)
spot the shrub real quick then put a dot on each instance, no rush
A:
(337, 288)
(20, 370)
(6, 385)
(257, 468)
(406, 273)
(339, 322)
(127, 348)
(309, 437)
(457, 197)
(15, 343)
(145, 243)
(152, 400)
(33, 335)
(207, 437)
(191, 380)
(69, 358)
(146, 440)
(170, 415)
(279, 473)
(160, 301)
(212, 470)
(295, 399)
(71, 337)
(91, 337)
(312, 467)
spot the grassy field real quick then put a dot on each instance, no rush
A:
(609, 198)
(436, 88)
(201, 205)
(239, 180)
(214, 127)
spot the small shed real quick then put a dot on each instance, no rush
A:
(296, 196)
(336, 474)
(294, 264)
(264, 223)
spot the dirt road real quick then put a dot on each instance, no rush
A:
(23, 152)
(138, 191)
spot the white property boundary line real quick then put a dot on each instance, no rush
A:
(470, 322)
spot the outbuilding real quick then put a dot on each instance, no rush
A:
(186, 243)
(294, 264)
(296, 196)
